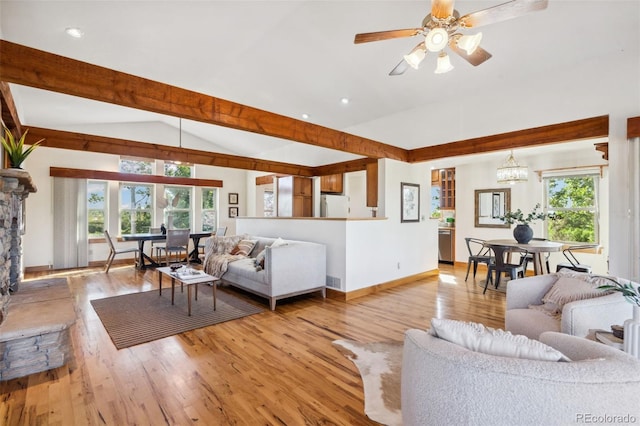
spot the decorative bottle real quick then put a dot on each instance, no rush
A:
(632, 333)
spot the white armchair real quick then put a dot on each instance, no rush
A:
(446, 384)
(577, 317)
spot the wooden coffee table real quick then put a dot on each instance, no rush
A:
(189, 281)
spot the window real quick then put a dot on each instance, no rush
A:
(177, 214)
(136, 166)
(178, 169)
(209, 209)
(575, 199)
(135, 208)
(96, 208)
(268, 203)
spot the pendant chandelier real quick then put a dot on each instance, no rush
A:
(511, 172)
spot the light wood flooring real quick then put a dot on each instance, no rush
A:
(273, 368)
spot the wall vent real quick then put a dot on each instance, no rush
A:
(333, 282)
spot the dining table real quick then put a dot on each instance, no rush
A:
(537, 248)
(146, 261)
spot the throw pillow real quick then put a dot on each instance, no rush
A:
(478, 338)
(569, 287)
(279, 242)
(244, 247)
(259, 261)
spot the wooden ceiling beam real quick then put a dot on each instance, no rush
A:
(91, 143)
(343, 167)
(47, 71)
(588, 128)
(9, 112)
(633, 127)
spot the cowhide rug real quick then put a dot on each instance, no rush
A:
(380, 366)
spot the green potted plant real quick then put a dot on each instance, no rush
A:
(523, 232)
(15, 149)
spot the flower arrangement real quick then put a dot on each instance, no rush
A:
(519, 217)
(14, 148)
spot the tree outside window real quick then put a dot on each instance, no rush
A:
(177, 214)
(209, 209)
(177, 169)
(269, 203)
(136, 166)
(96, 208)
(575, 199)
(135, 208)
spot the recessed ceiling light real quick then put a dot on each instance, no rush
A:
(305, 116)
(74, 32)
(344, 100)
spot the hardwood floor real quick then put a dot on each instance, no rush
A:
(273, 368)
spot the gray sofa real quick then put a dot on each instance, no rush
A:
(295, 268)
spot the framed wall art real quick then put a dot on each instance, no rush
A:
(409, 202)
(233, 212)
(233, 198)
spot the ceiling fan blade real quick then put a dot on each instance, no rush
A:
(386, 35)
(400, 68)
(476, 58)
(441, 9)
(502, 12)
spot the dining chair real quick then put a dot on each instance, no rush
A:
(478, 253)
(573, 262)
(219, 233)
(530, 255)
(113, 251)
(501, 266)
(177, 242)
(156, 244)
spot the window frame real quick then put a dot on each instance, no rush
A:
(204, 210)
(105, 209)
(594, 209)
(133, 211)
(171, 209)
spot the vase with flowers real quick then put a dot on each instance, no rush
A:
(631, 292)
(523, 232)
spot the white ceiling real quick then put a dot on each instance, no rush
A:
(295, 57)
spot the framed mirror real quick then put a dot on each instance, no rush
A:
(491, 204)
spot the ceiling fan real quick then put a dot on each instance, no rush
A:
(440, 28)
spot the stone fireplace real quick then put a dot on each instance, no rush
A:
(35, 316)
(15, 186)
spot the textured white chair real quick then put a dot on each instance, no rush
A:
(577, 317)
(446, 384)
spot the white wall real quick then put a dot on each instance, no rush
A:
(38, 239)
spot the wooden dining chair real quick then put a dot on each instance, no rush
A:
(113, 251)
(478, 253)
(177, 242)
(501, 266)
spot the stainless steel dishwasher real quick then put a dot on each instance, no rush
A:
(445, 245)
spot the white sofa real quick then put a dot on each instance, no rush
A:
(577, 319)
(295, 268)
(446, 384)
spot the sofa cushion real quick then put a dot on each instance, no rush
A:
(569, 287)
(530, 322)
(478, 338)
(244, 247)
(244, 269)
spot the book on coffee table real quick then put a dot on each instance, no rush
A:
(188, 275)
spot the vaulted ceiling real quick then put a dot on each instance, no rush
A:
(293, 57)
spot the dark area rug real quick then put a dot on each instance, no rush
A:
(136, 318)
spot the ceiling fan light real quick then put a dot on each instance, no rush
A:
(470, 43)
(436, 39)
(415, 57)
(444, 64)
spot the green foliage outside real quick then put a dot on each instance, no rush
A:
(177, 170)
(136, 167)
(573, 198)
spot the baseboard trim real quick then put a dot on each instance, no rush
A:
(92, 264)
(346, 296)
